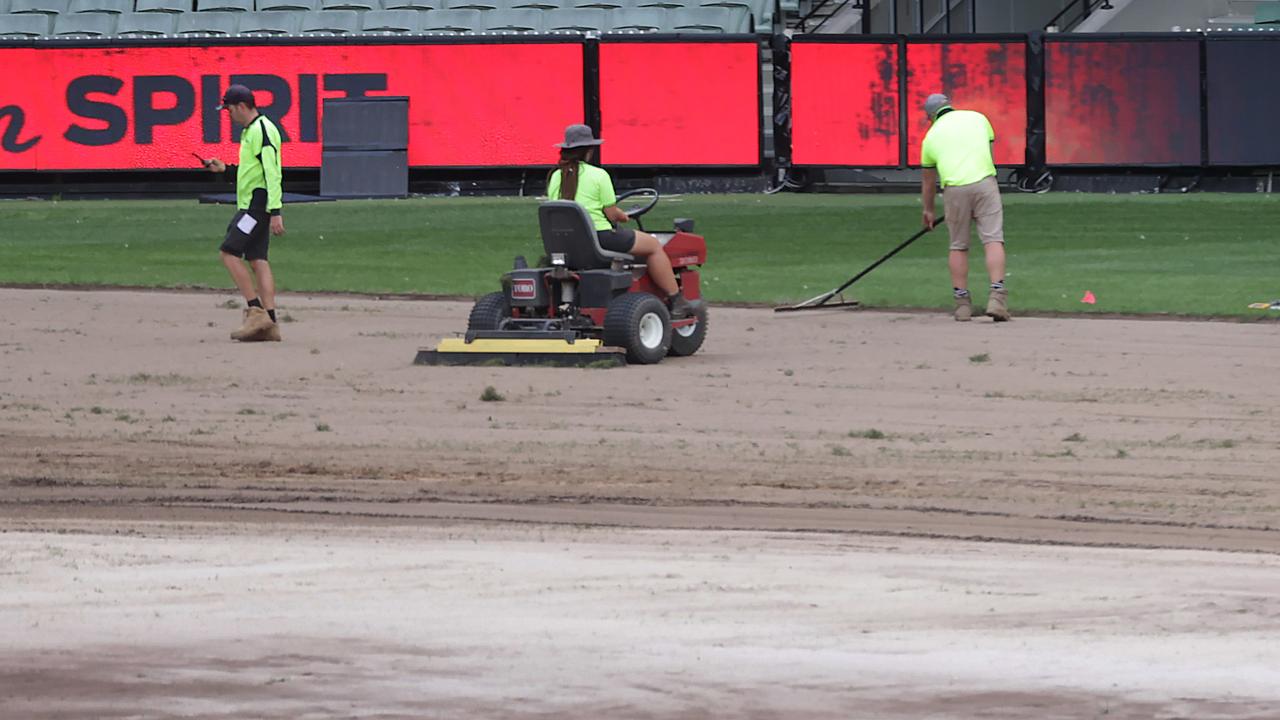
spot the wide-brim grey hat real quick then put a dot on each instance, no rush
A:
(935, 104)
(578, 136)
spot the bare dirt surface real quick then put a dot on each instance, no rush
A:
(841, 514)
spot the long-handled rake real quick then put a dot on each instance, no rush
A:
(824, 300)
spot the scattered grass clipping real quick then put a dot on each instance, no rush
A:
(870, 434)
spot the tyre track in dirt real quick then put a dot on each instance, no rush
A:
(300, 506)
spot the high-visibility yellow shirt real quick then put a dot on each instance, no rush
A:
(959, 146)
(595, 193)
(258, 177)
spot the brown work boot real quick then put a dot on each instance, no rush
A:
(998, 305)
(271, 334)
(964, 309)
(680, 307)
(256, 320)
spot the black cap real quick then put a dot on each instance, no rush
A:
(236, 94)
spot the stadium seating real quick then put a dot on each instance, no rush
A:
(224, 5)
(451, 21)
(514, 21)
(289, 5)
(711, 19)
(390, 21)
(271, 22)
(25, 26)
(331, 22)
(350, 5)
(481, 5)
(208, 23)
(127, 18)
(761, 11)
(526, 21)
(84, 25)
(163, 6)
(419, 5)
(537, 4)
(43, 7)
(586, 20)
(638, 20)
(112, 7)
(146, 24)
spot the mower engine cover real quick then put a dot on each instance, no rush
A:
(526, 288)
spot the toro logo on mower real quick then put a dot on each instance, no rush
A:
(524, 289)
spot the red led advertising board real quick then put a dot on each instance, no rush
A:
(1122, 102)
(990, 77)
(680, 103)
(844, 104)
(147, 107)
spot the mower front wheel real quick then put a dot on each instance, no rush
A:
(640, 324)
(488, 312)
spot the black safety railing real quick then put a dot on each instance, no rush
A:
(947, 19)
(1074, 13)
(824, 10)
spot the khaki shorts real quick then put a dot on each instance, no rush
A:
(976, 202)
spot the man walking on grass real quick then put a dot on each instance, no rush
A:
(258, 206)
(957, 150)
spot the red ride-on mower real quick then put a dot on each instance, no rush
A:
(588, 305)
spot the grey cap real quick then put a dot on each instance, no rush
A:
(578, 136)
(935, 103)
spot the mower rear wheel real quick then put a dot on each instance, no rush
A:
(640, 324)
(488, 312)
(687, 339)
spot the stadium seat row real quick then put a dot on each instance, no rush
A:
(344, 22)
(758, 8)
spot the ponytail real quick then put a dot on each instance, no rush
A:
(568, 167)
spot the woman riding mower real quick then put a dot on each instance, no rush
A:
(576, 179)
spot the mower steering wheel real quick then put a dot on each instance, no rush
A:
(650, 199)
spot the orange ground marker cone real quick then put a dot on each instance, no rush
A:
(1089, 298)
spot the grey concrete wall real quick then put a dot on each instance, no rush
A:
(1164, 15)
(996, 16)
(1016, 15)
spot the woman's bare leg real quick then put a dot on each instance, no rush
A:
(648, 247)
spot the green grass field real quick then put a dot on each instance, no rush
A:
(1203, 254)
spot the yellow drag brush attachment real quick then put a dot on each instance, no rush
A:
(556, 352)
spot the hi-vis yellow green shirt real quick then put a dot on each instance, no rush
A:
(595, 193)
(259, 167)
(959, 146)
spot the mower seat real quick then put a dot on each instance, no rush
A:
(567, 230)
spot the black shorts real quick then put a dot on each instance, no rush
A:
(620, 240)
(251, 245)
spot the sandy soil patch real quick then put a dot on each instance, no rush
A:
(797, 522)
(222, 620)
